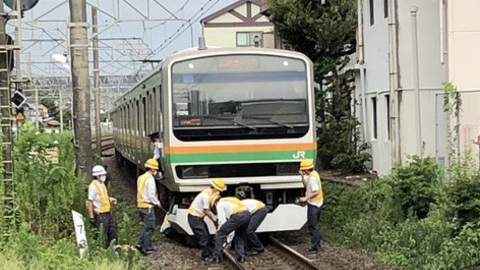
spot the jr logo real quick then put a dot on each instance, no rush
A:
(299, 154)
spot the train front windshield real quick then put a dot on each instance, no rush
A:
(236, 97)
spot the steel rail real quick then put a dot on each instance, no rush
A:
(291, 255)
(230, 262)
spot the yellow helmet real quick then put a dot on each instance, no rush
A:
(151, 164)
(219, 184)
(306, 164)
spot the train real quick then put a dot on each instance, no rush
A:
(244, 114)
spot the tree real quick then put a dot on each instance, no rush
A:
(326, 33)
(51, 106)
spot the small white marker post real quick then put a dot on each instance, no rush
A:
(80, 233)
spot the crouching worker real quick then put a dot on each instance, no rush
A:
(200, 208)
(233, 216)
(258, 213)
(98, 205)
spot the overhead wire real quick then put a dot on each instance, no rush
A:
(179, 31)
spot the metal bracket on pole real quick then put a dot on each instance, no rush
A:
(78, 24)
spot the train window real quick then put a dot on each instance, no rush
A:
(144, 116)
(154, 109)
(235, 97)
(151, 114)
(137, 117)
(130, 115)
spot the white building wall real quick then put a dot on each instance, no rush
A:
(431, 72)
(464, 58)
(376, 83)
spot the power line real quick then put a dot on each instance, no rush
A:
(177, 33)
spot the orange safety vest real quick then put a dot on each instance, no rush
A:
(194, 212)
(319, 197)
(238, 205)
(141, 186)
(103, 197)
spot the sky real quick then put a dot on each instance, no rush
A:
(130, 31)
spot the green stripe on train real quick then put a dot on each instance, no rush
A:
(239, 156)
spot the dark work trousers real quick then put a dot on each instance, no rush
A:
(105, 222)
(148, 217)
(200, 230)
(253, 243)
(238, 223)
(313, 216)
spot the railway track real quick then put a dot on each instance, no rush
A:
(230, 262)
(294, 258)
(277, 256)
(107, 143)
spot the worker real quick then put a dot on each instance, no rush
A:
(157, 150)
(233, 217)
(147, 199)
(258, 212)
(314, 199)
(99, 205)
(199, 208)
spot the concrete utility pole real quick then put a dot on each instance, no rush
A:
(416, 80)
(80, 83)
(96, 81)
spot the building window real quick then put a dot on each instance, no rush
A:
(387, 101)
(374, 115)
(249, 39)
(385, 8)
(372, 15)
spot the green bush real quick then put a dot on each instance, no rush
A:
(462, 192)
(413, 219)
(414, 185)
(46, 191)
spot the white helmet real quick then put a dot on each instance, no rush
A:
(98, 170)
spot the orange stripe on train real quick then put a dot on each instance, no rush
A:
(239, 148)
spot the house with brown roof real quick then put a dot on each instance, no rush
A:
(240, 24)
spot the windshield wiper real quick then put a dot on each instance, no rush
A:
(230, 120)
(269, 119)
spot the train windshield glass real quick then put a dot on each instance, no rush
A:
(239, 97)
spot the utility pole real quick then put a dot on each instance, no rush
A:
(96, 81)
(8, 201)
(416, 80)
(80, 83)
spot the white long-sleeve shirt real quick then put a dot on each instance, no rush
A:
(227, 207)
(149, 194)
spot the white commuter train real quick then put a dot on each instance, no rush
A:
(246, 115)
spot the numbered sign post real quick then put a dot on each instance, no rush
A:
(80, 232)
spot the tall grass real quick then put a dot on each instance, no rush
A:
(47, 189)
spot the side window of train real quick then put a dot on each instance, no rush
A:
(160, 110)
(137, 117)
(144, 117)
(146, 114)
(153, 99)
(129, 118)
